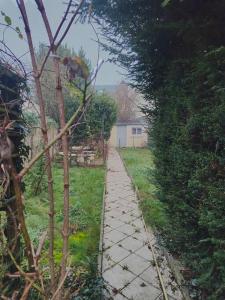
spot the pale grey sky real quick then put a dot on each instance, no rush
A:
(80, 35)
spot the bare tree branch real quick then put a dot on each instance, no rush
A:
(42, 10)
(21, 272)
(25, 294)
(70, 23)
(61, 284)
(41, 245)
(53, 39)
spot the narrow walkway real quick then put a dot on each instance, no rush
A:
(127, 263)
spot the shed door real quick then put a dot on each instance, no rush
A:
(121, 136)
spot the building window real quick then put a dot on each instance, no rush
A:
(136, 130)
(139, 130)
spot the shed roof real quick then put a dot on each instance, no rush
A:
(138, 121)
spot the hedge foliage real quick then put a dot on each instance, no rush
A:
(175, 55)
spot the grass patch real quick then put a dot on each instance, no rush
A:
(86, 190)
(140, 166)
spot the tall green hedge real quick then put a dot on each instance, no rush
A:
(190, 142)
(175, 55)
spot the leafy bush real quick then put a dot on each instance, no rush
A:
(99, 118)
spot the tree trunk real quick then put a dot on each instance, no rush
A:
(21, 219)
(65, 146)
(45, 138)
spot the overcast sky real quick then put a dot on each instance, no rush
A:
(80, 35)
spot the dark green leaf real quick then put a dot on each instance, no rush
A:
(8, 20)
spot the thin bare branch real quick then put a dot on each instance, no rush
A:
(25, 294)
(61, 284)
(13, 57)
(18, 274)
(42, 10)
(24, 274)
(41, 244)
(70, 23)
(53, 39)
(21, 218)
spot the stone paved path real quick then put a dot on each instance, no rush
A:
(127, 263)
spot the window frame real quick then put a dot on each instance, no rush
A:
(134, 131)
(137, 131)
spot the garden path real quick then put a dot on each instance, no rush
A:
(128, 267)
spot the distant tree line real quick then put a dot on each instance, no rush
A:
(175, 53)
(127, 102)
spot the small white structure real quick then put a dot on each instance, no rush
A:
(132, 133)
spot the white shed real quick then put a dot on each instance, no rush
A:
(132, 133)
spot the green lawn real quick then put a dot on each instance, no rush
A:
(140, 166)
(86, 191)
